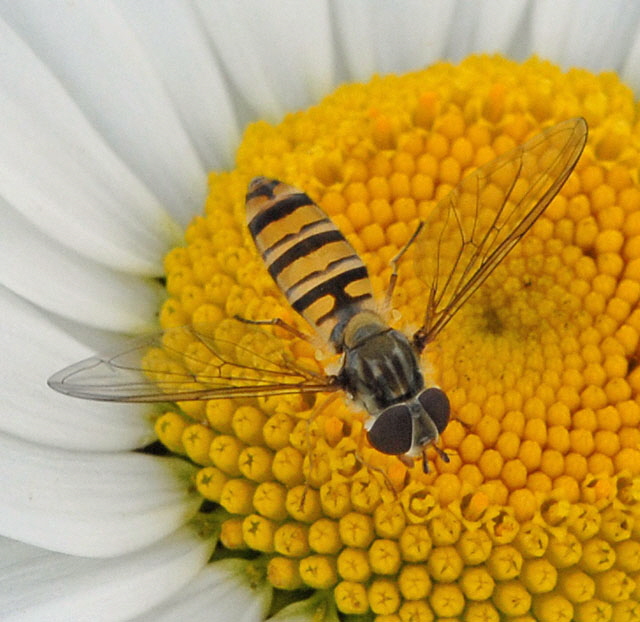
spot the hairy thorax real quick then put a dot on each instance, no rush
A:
(380, 366)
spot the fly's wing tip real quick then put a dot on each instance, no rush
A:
(60, 380)
(55, 383)
(580, 130)
(581, 124)
(88, 379)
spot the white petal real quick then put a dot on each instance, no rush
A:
(383, 36)
(489, 26)
(183, 60)
(39, 585)
(96, 505)
(631, 67)
(58, 172)
(59, 280)
(279, 55)
(318, 606)
(221, 592)
(99, 60)
(585, 33)
(354, 28)
(32, 349)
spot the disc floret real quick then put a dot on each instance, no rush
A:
(537, 514)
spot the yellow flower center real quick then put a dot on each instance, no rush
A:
(537, 514)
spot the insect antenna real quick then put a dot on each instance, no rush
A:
(442, 454)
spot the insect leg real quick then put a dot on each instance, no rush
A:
(317, 409)
(393, 486)
(279, 323)
(394, 264)
(377, 469)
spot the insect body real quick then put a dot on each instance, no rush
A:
(456, 247)
(325, 280)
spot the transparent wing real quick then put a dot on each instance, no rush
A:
(233, 359)
(472, 229)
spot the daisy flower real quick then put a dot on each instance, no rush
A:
(122, 120)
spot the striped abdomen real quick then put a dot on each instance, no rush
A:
(318, 271)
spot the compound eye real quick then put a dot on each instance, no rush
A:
(392, 431)
(436, 403)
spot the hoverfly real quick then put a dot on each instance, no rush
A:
(464, 238)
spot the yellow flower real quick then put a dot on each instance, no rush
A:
(537, 514)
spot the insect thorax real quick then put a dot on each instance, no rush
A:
(380, 366)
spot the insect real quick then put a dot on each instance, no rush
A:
(459, 244)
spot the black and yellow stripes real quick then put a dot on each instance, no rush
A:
(315, 267)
